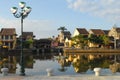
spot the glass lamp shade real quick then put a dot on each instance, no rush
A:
(14, 10)
(28, 9)
(22, 4)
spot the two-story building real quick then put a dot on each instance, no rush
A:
(80, 31)
(96, 32)
(115, 33)
(8, 37)
(77, 31)
(63, 35)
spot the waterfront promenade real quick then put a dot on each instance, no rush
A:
(62, 77)
(77, 51)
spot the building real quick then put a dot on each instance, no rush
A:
(63, 35)
(27, 37)
(43, 43)
(68, 42)
(8, 37)
(96, 32)
(115, 33)
(80, 31)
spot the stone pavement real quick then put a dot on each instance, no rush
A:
(62, 77)
(11, 77)
(78, 77)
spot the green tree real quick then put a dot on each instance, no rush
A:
(27, 43)
(92, 38)
(80, 41)
(105, 40)
(62, 29)
(95, 39)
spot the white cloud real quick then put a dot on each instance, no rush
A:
(40, 28)
(109, 9)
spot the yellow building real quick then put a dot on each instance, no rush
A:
(8, 37)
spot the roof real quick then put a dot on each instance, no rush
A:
(97, 31)
(8, 31)
(82, 31)
(25, 34)
(43, 40)
(106, 31)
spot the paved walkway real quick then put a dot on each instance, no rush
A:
(82, 77)
(105, 75)
(11, 77)
(63, 77)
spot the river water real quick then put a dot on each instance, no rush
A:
(40, 66)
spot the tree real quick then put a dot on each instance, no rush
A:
(80, 41)
(105, 39)
(62, 28)
(27, 43)
(95, 39)
(101, 40)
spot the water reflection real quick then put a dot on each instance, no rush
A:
(64, 63)
(83, 63)
(12, 61)
(72, 64)
(35, 65)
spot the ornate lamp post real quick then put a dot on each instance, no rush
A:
(23, 14)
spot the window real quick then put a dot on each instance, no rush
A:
(11, 37)
(6, 37)
(2, 37)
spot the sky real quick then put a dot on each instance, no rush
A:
(48, 15)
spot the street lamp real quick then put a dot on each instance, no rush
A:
(23, 14)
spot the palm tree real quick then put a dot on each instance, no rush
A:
(62, 28)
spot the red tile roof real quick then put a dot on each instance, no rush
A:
(82, 31)
(8, 31)
(27, 34)
(97, 31)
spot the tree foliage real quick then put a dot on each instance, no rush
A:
(80, 41)
(62, 28)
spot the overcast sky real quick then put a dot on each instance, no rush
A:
(48, 15)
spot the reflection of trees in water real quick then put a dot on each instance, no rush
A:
(62, 69)
(81, 63)
(64, 63)
(100, 61)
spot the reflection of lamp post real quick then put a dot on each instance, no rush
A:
(115, 48)
(23, 14)
(115, 44)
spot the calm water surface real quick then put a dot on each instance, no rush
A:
(40, 66)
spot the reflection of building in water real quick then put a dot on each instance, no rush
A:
(29, 61)
(64, 62)
(12, 62)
